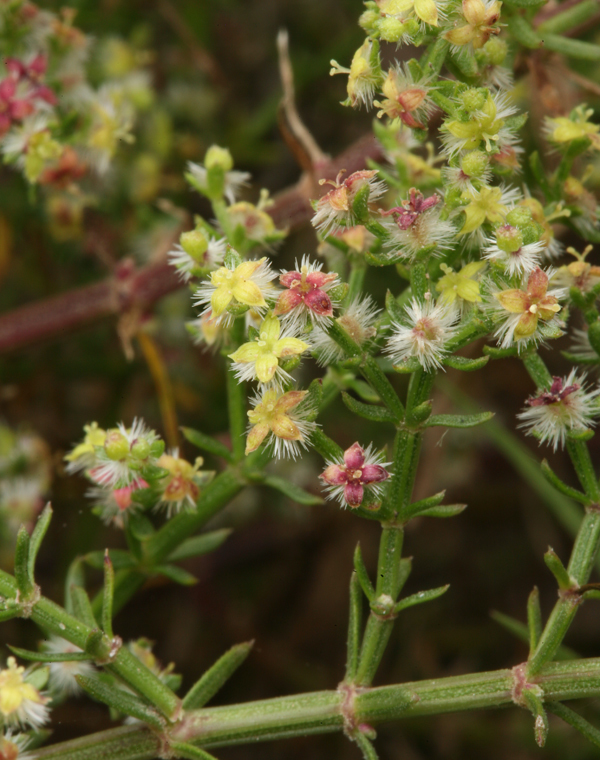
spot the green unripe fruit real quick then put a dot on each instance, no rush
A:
(519, 217)
(116, 445)
(496, 51)
(532, 233)
(509, 238)
(218, 158)
(195, 244)
(474, 99)
(390, 29)
(140, 449)
(368, 21)
(474, 163)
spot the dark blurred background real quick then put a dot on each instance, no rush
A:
(282, 577)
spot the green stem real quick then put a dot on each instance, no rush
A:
(322, 712)
(358, 270)
(236, 398)
(580, 457)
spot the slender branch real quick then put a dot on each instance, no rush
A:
(129, 288)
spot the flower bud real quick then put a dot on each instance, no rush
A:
(519, 217)
(218, 158)
(509, 238)
(496, 51)
(390, 29)
(140, 449)
(368, 21)
(474, 99)
(474, 164)
(195, 244)
(116, 445)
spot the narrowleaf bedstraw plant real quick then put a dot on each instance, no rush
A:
(468, 228)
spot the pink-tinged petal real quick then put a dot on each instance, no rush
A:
(320, 279)
(256, 436)
(537, 284)
(334, 475)
(46, 94)
(19, 109)
(15, 67)
(284, 427)
(288, 279)
(7, 88)
(5, 124)
(374, 473)
(289, 347)
(38, 66)
(287, 301)
(354, 493)
(354, 457)
(289, 400)
(319, 302)
(123, 497)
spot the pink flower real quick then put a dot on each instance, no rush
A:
(410, 210)
(306, 294)
(360, 468)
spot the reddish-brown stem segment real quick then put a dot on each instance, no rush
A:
(131, 288)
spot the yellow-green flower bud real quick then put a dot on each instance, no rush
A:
(140, 449)
(368, 20)
(195, 244)
(519, 217)
(218, 158)
(390, 29)
(509, 238)
(474, 163)
(116, 445)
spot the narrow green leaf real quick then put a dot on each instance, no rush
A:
(575, 15)
(395, 311)
(292, 491)
(176, 574)
(420, 597)
(464, 364)
(534, 618)
(38, 677)
(81, 606)
(363, 575)
(198, 545)
(119, 558)
(9, 614)
(190, 752)
(558, 570)
(575, 720)
(588, 361)
(553, 478)
(107, 596)
(368, 411)
(435, 56)
(327, 448)
(363, 390)
(407, 366)
(523, 33)
(122, 701)
(368, 750)
(37, 536)
(210, 682)
(354, 628)
(443, 511)
(458, 420)
(585, 51)
(423, 504)
(464, 61)
(418, 414)
(24, 582)
(533, 696)
(500, 353)
(25, 654)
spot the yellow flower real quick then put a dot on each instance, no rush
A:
(484, 205)
(460, 284)
(564, 129)
(20, 702)
(180, 484)
(273, 414)
(94, 436)
(483, 126)
(238, 284)
(264, 352)
(426, 10)
(480, 17)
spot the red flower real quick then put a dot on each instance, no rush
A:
(346, 481)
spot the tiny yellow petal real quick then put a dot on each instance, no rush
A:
(289, 347)
(266, 366)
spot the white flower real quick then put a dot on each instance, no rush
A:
(334, 211)
(234, 180)
(115, 505)
(428, 328)
(454, 176)
(566, 407)
(358, 320)
(519, 262)
(62, 674)
(187, 264)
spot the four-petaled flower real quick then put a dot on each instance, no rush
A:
(417, 224)
(361, 467)
(490, 204)
(247, 284)
(20, 702)
(282, 419)
(334, 210)
(526, 308)
(306, 293)
(409, 211)
(405, 99)
(485, 125)
(425, 10)
(566, 407)
(576, 126)
(480, 15)
(259, 359)
(461, 284)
